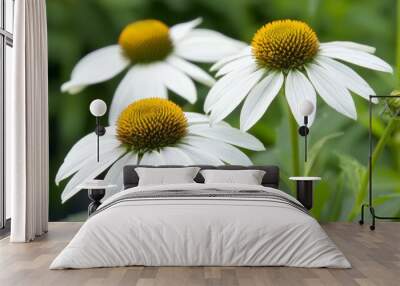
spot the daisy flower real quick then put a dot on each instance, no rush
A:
(154, 131)
(288, 53)
(158, 59)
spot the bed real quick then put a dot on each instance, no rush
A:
(198, 224)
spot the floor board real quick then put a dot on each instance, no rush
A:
(375, 257)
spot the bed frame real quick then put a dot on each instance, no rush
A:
(270, 179)
(131, 178)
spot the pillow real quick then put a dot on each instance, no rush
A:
(248, 177)
(166, 176)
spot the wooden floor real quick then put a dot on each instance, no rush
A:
(375, 257)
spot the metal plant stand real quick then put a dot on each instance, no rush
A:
(370, 194)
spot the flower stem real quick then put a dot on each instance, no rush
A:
(294, 140)
(362, 192)
(395, 148)
(398, 45)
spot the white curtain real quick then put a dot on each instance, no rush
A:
(27, 124)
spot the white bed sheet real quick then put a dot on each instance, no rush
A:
(200, 231)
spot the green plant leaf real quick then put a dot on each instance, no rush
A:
(386, 180)
(353, 172)
(316, 149)
(384, 198)
(337, 198)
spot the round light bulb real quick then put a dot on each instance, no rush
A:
(98, 107)
(306, 108)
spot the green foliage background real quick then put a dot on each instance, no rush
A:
(338, 145)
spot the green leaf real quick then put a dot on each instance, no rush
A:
(384, 198)
(337, 198)
(322, 196)
(386, 179)
(316, 149)
(353, 172)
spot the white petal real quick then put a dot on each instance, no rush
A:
(259, 99)
(348, 77)
(179, 31)
(193, 118)
(83, 150)
(141, 81)
(297, 90)
(223, 84)
(348, 45)
(117, 168)
(359, 58)
(72, 87)
(191, 70)
(90, 171)
(78, 158)
(133, 159)
(236, 65)
(96, 67)
(202, 45)
(177, 81)
(225, 152)
(234, 96)
(114, 175)
(84, 146)
(331, 91)
(152, 158)
(198, 156)
(227, 134)
(175, 156)
(243, 53)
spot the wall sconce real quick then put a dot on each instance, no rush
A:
(98, 108)
(306, 108)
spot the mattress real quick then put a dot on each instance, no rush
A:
(201, 225)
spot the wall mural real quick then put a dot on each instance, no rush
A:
(225, 88)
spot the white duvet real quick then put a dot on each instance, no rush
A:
(200, 231)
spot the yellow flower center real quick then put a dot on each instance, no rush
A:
(146, 41)
(150, 124)
(284, 44)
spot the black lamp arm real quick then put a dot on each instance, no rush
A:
(100, 131)
(303, 131)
